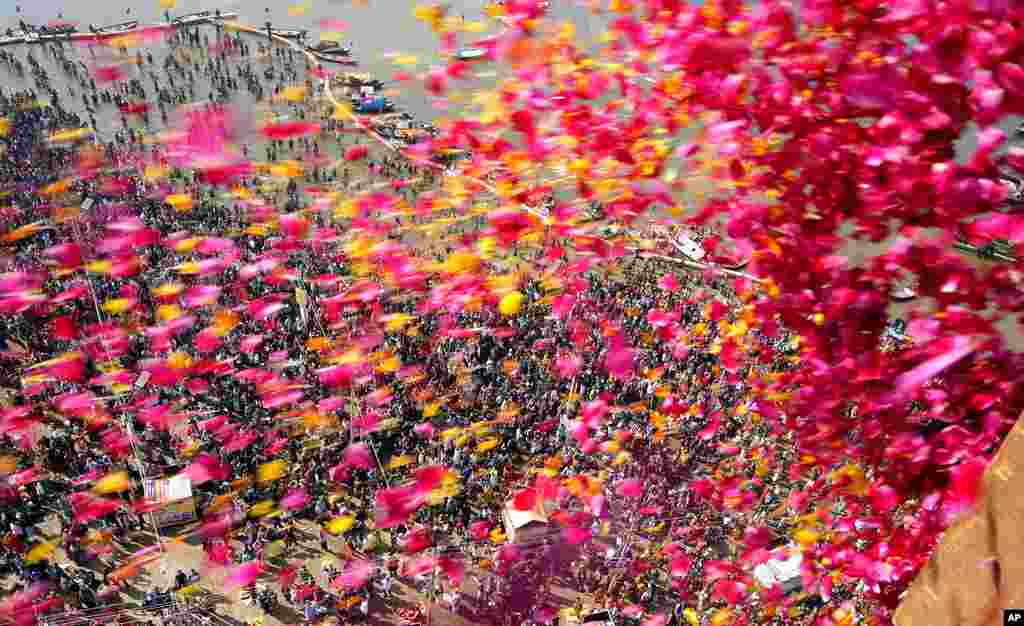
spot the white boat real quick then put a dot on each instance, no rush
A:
(15, 37)
(116, 29)
(470, 54)
(194, 18)
(201, 17)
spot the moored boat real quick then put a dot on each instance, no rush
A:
(201, 17)
(16, 36)
(324, 46)
(470, 54)
(350, 79)
(54, 33)
(373, 105)
(115, 29)
(288, 33)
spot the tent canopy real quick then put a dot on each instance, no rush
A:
(519, 519)
(781, 571)
(521, 525)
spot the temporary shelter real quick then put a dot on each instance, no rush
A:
(175, 496)
(524, 526)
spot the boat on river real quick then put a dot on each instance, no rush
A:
(288, 33)
(55, 33)
(13, 36)
(470, 54)
(330, 48)
(201, 17)
(115, 29)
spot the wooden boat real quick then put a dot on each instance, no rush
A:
(544, 4)
(115, 29)
(358, 80)
(198, 17)
(57, 32)
(993, 251)
(288, 33)
(330, 47)
(340, 59)
(374, 105)
(15, 37)
(201, 17)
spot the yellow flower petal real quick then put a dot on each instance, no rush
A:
(180, 201)
(168, 312)
(487, 444)
(511, 304)
(118, 306)
(295, 93)
(271, 471)
(168, 289)
(340, 525)
(400, 461)
(39, 552)
(114, 482)
(179, 360)
(262, 509)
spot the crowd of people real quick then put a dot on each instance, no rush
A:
(295, 377)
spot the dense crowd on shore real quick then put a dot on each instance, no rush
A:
(300, 374)
(501, 386)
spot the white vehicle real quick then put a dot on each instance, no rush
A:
(690, 248)
(782, 571)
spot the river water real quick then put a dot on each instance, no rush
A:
(378, 31)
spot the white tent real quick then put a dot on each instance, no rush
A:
(785, 572)
(690, 248)
(522, 526)
(175, 494)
